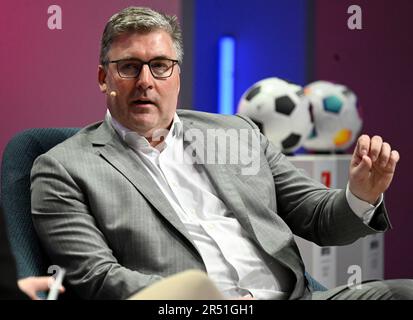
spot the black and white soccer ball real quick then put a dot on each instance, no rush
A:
(337, 117)
(281, 111)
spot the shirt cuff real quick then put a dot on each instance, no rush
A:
(362, 209)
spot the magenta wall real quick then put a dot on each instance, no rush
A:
(376, 62)
(48, 77)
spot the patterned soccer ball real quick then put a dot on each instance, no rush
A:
(337, 120)
(281, 111)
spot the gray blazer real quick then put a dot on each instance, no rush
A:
(99, 214)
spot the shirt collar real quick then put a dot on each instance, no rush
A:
(136, 141)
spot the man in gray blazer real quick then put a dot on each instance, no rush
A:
(152, 191)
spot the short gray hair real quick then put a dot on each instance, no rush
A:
(140, 20)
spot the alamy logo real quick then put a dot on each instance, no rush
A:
(354, 281)
(355, 22)
(52, 270)
(54, 22)
(219, 146)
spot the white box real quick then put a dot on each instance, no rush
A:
(365, 255)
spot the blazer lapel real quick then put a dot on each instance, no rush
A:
(268, 229)
(228, 186)
(123, 159)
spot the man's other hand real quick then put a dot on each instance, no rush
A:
(32, 285)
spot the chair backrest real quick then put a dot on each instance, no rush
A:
(18, 158)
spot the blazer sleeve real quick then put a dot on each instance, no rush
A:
(311, 210)
(70, 234)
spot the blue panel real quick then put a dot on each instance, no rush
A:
(271, 42)
(226, 66)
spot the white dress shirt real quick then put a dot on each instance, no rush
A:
(232, 260)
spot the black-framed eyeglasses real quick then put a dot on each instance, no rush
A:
(161, 68)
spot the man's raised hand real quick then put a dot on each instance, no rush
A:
(372, 168)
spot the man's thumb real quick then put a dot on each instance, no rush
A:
(364, 166)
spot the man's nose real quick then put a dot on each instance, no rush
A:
(144, 80)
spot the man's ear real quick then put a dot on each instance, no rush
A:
(102, 78)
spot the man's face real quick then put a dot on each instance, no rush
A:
(143, 104)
